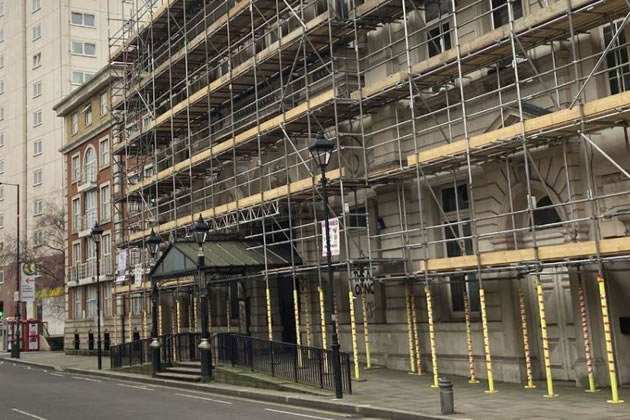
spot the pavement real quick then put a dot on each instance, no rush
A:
(385, 393)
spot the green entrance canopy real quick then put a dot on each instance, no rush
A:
(221, 257)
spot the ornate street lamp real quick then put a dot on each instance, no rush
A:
(201, 230)
(321, 152)
(153, 244)
(97, 233)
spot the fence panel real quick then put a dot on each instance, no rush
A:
(306, 365)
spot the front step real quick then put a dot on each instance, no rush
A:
(184, 377)
(196, 365)
(185, 370)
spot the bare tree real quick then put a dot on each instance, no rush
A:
(45, 247)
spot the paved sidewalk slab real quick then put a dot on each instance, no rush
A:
(393, 394)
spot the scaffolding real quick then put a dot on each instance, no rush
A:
(425, 101)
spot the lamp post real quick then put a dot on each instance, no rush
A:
(153, 243)
(15, 347)
(97, 232)
(321, 151)
(201, 230)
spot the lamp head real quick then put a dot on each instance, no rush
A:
(201, 230)
(321, 150)
(97, 232)
(153, 243)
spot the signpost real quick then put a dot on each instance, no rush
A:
(335, 245)
(28, 274)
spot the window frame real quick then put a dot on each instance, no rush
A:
(91, 296)
(88, 116)
(36, 5)
(37, 32)
(102, 163)
(439, 23)
(74, 123)
(75, 216)
(37, 60)
(459, 219)
(37, 207)
(37, 173)
(37, 92)
(83, 44)
(38, 118)
(77, 307)
(83, 15)
(105, 205)
(38, 238)
(621, 68)
(75, 174)
(103, 102)
(41, 147)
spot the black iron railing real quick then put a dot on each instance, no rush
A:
(173, 348)
(306, 365)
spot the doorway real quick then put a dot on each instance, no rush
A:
(561, 328)
(287, 314)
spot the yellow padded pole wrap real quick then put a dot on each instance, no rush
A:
(194, 325)
(130, 324)
(427, 292)
(144, 323)
(545, 339)
(528, 360)
(353, 325)
(587, 341)
(609, 346)
(412, 361)
(322, 316)
(115, 312)
(179, 315)
(307, 309)
(298, 332)
(416, 337)
(469, 342)
(486, 340)
(366, 333)
(160, 331)
(269, 324)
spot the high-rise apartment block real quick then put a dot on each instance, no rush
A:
(47, 49)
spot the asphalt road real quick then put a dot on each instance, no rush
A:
(30, 393)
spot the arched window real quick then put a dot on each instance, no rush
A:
(545, 216)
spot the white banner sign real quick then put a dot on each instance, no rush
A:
(137, 275)
(334, 237)
(122, 265)
(28, 273)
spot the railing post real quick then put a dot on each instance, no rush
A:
(348, 374)
(273, 369)
(251, 352)
(295, 363)
(233, 349)
(321, 368)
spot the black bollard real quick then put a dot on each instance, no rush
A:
(447, 405)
